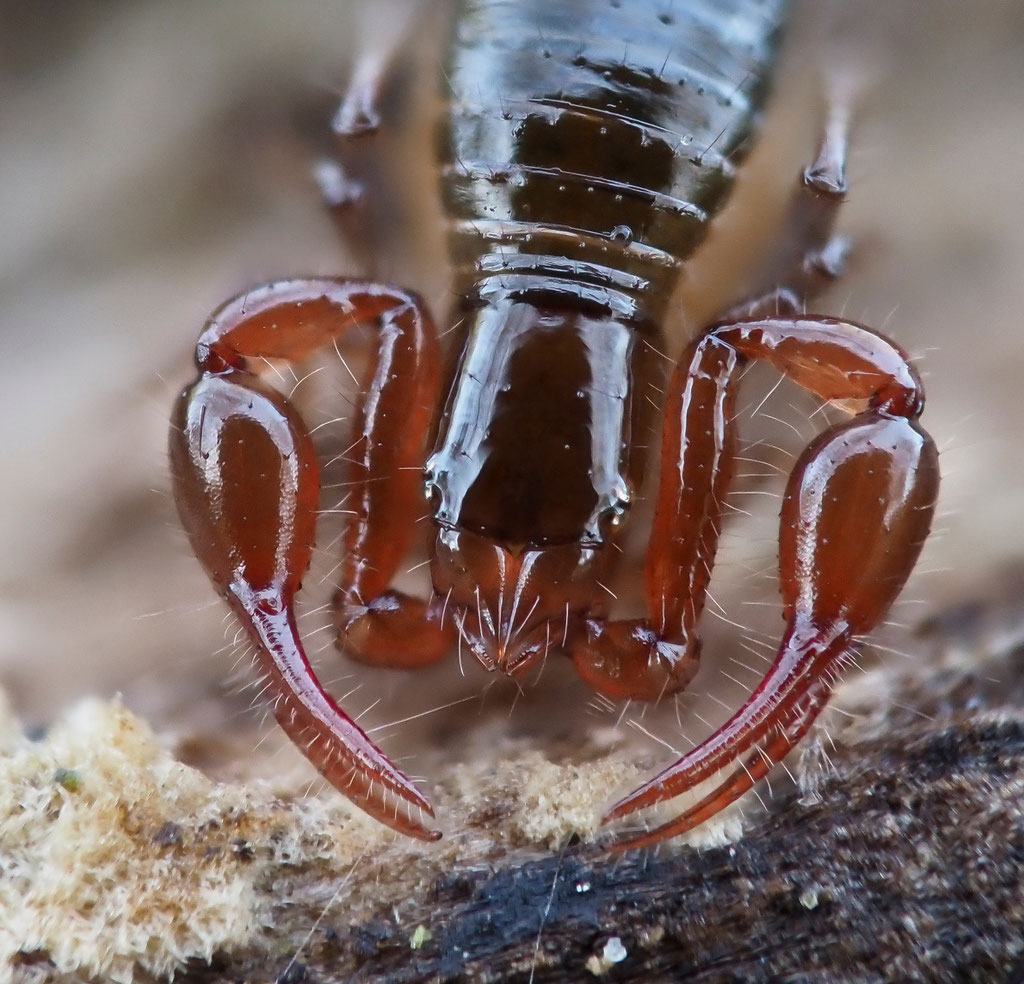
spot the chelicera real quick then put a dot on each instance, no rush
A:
(574, 195)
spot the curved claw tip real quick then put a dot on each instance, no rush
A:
(634, 801)
(409, 828)
(412, 829)
(649, 838)
(405, 824)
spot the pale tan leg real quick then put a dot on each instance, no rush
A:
(807, 256)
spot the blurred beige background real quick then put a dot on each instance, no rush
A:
(155, 159)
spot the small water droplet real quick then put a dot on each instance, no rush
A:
(622, 234)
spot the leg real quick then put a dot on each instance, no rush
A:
(359, 112)
(356, 178)
(857, 509)
(807, 257)
(246, 486)
(348, 182)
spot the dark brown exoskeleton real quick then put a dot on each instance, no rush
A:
(587, 147)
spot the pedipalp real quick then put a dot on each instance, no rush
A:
(247, 489)
(856, 512)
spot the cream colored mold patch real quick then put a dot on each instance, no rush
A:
(98, 868)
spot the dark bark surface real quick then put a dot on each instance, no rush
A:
(905, 863)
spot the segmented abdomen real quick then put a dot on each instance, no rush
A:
(593, 140)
